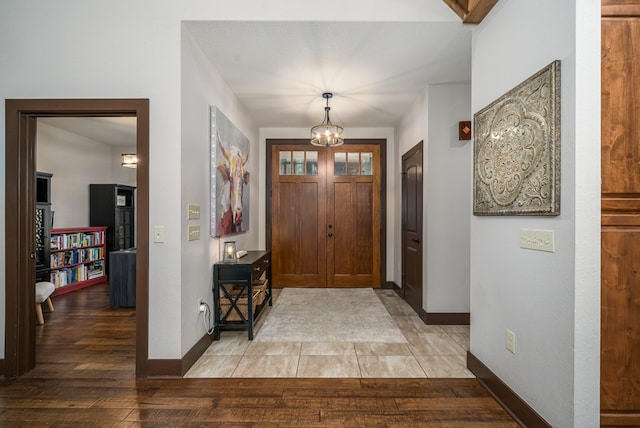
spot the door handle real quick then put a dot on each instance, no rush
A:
(417, 241)
(330, 234)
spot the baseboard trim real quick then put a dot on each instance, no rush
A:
(399, 290)
(618, 419)
(506, 397)
(195, 352)
(171, 368)
(445, 318)
(163, 368)
(388, 285)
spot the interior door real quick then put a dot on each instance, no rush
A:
(325, 215)
(412, 227)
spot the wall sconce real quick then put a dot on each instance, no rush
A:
(129, 160)
(464, 130)
(229, 254)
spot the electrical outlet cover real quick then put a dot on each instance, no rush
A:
(510, 341)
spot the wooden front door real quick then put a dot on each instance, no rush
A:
(412, 227)
(326, 215)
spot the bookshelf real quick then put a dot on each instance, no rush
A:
(77, 258)
(43, 224)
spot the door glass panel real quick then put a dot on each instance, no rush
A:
(312, 163)
(366, 161)
(353, 163)
(298, 163)
(340, 164)
(285, 163)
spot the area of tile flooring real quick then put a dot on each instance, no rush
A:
(430, 351)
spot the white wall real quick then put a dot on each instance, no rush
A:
(550, 300)
(447, 207)
(203, 87)
(446, 194)
(74, 161)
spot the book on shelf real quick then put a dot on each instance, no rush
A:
(76, 256)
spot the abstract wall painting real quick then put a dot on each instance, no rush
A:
(517, 149)
(229, 177)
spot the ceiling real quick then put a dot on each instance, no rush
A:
(115, 131)
(376, 70)
(279, 70)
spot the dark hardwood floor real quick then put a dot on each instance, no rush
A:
(85, 376)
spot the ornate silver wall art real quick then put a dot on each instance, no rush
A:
(517, 149)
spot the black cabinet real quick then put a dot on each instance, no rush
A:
(113, 206)
(241, 291)
(43, 225)
(122, 279)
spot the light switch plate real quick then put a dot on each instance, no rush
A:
(158, 233)
(193, 232)
(193, 212)
(541, 240)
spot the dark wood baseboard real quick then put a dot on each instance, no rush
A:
(435, 318)
(389, 285)
(177, 367)
(508, 399)
(195, 352)
(619, 419)
(445, 318)
(166, 368)
(399, 290)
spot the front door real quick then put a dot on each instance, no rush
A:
(326, 215)
(412, 227)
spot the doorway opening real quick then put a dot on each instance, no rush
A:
(20, 149)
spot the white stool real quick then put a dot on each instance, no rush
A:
(43, 294)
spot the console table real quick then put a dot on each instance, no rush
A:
(241, 291)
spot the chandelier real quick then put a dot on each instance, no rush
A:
(327, 134)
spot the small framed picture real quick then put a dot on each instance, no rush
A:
(121, 200)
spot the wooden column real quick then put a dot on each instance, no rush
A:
(620, 285)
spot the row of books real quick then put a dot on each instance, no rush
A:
(67, 276)
(76, 240)
(76, 256)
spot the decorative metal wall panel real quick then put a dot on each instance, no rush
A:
(517, 149)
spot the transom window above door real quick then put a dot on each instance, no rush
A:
(353, 163)
(299, 162)
(302, 162)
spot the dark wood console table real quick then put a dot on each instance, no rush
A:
(241, 291)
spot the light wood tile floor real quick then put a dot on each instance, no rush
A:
(430, 351)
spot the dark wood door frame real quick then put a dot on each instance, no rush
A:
(20, 149)
(383, 189)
